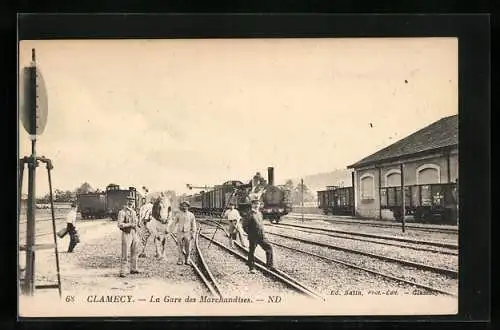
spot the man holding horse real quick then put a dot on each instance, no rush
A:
(146, 226)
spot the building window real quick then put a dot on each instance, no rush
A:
(428, 174)
(393, 178)
(367, 186)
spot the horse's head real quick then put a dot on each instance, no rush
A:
(162, 210)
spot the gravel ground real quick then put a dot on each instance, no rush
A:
(405, 272)
(233, 276)
(342, 279)
(429, 258)
(94, 266)
(366, 228)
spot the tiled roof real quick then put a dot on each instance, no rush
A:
(440, 134)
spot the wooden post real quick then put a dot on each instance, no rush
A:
(403, 210)
(29, 279)
(448, 170)
(379, 194)
(353, 197)
(302, 197)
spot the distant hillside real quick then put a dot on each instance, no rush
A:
(319, 181)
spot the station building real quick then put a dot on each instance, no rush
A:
(426, 157)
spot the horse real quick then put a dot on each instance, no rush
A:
(158, 226)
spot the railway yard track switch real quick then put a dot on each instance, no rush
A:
(33, 109)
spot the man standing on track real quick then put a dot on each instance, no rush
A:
(255, 229)
(235, 229)
(146, 226)
(127, 222)
(184, 223)
(71, 229)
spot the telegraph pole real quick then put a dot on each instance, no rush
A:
(302, 197)
(403, 196)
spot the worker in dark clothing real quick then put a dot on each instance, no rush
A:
(71, 228)
(254, 227)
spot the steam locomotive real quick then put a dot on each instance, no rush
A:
(275, 201)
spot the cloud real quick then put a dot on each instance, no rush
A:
(167, 113)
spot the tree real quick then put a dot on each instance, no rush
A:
(297, 194)
(85, 188)
(289, 184)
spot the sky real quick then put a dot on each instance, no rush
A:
(166, 113)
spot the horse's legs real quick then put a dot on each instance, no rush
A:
(157, 246)
(163, 241)
(145, 233)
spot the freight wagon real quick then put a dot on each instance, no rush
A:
(92, 205)
(336, 200)
(432, 203)
(116, 198)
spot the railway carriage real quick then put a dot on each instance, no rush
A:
(116, 198)
(92, 205)
(432, 203)
(336, 200)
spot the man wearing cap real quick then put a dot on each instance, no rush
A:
(255, 230)
(70, 227)
(235, 229)
(127, 222)
(184, 223)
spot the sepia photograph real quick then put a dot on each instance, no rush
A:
(238, 177)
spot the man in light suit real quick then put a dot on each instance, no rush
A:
(184, 224)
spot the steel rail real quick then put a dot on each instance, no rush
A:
(388, 225)
(443, 271)
(204, 273)
(398, 279)
(399, 239)
(319, 231)
(294, 284)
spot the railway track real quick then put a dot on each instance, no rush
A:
(201, 268)
(442, 271)
(380, 239)
(371, 271)
(353, 221)
(384, 275)
(242, 254)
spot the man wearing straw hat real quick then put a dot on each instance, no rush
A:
(184, 223)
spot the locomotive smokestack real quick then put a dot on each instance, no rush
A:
(270, 175)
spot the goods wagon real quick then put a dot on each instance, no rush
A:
(116, 198)
(336, 200)
(92, 205)
(432, 203)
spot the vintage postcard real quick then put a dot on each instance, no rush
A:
(238, 177)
